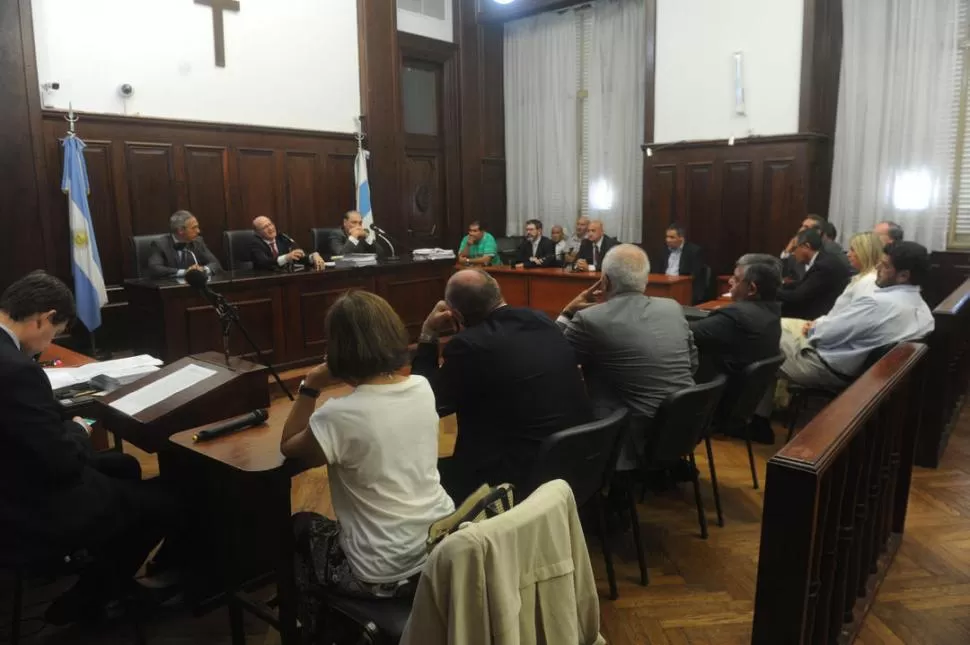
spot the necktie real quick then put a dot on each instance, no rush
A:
(596, 256)
(272, 247)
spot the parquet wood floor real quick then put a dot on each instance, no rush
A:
(701, 592)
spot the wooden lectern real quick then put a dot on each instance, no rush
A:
(231, 390)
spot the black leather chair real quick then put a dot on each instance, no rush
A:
(380, 621)
(141, 246)
(236, 243)
(801, 395)
(507, 247)
(702, 287)
(683, 421)
(585, 457)
(321, 240)
(744, 393)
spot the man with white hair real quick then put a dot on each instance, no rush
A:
(635, 350)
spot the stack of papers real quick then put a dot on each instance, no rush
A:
(122, 368)
(433, 254)
(356, 260)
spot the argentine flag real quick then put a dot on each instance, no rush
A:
(89, 291)
(363, 192)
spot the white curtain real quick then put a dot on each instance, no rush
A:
(892, 161)
(617, 77)
(541, 138)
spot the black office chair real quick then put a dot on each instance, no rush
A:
(585, 457)
(236, 243)
(801, 395)
(375, 622)
(141, 246)
(507, 247)
(702, 287)
(321, 240)
(741, 398)
(681, 422)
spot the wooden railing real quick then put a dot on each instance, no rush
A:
(947, 375)
(835, 507)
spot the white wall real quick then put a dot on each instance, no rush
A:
(696, 40)
(416, 23)
(289, 63)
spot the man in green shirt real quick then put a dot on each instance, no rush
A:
(478, 248)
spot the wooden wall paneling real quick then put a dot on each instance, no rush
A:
(778, 202)
(104, 214)
(700, 200)
(257, 186)
(493, 90)
(821, 66)
(492, 207)
(309, 307)
(413, 292)
(206, 172)
(151, 186)
(340, 190)
(735, 207)
(301, 209)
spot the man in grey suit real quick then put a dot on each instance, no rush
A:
(635, 350)
(184, 249)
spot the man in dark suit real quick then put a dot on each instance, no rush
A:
(184, 249)
(57, 495)
(596, 245)
(684, 258)
(823, 282)
(536, 250)
(270, 251)
(792, 268)
(353, 238)
(508, 373)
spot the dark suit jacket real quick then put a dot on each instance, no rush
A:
(546, 252)
(691, 263)
(262, 255)
(51, 497)
(163, 260)
(817, 291)
(586, 249)
(792, 269)
(513, 381)
(733, 337)
(340, 244)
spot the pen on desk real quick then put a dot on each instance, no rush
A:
(229, 426)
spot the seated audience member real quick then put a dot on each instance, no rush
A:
(574, 241)
(536, 249)
(58, 495)
(833, 351)
(559, 238)
(888, 232)
(510, 376)
(270, 251)
(184, 249)
(478, 248)
(747, 330)
(352, 238)
(684, 258)
(380, 446)
(794, 269)
(825, 278)
(594, 248)
(635, 350)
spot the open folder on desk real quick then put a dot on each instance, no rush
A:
(124, 370)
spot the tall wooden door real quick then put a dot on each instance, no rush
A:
(425, 182)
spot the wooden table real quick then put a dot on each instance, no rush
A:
(712, 305)
(549, 290)
(284, 312)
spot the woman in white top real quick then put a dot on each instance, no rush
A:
(865, 252)
(380, 443)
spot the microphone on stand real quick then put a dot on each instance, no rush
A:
(200, 280)
(384, 235)
(293, 245)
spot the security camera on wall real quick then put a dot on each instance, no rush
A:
(126, 91)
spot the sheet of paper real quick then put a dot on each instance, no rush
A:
(61, 376)
(165, 387)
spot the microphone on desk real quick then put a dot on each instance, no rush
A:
(384, 235)
(200, 280)
(254, 418)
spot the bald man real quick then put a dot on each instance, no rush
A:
(596, 245)
(271, 251)
(509, 374)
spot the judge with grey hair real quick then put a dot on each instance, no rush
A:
(635, 350)
(183, 249)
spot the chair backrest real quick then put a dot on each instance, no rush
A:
(702, 290)
(583, 456)
(321, 240)
(236, 243)
(507, 246)
(745, 391)
(141, 248)
(682, 420)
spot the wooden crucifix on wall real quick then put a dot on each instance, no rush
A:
(218, 27)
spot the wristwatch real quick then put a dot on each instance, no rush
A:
(308, 391)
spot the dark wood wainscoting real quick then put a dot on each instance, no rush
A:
(142, 170)
(749, 197)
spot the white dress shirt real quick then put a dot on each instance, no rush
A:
(673, 261)
(535, 247)
(13, 336)
(863, 285)
(888, 315)
(562, 248)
